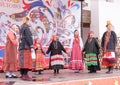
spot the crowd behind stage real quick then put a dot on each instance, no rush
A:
(28, 47)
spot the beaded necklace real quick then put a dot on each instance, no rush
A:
(55, 44)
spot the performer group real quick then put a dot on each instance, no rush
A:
(89, 53)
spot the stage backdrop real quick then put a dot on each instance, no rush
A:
(47, 17)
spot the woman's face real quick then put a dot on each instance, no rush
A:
(76, 33)
(91, 34)
(109, 27)
(55, 38)
(15, 28)
(38, 41)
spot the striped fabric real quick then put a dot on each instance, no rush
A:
(57, 60)
(91, 59)
(109, 59)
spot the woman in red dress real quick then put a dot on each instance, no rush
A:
(76, 54)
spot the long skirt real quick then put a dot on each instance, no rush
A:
(25, 59)
(56, 62)
(109, 59)
(40, 61)
(92, 61)
(76, 62)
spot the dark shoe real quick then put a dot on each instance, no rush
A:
(94, 71)
(8, 76)
(109, 72)
(76, 71)
(13, 76)
(90, 71)
(40, 72)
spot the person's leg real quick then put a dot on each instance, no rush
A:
(90, 68)
(25, 71)
(109, 69)
(22, 72)
(94, 69)
(27, 75)
(57, 71)
(40, 71)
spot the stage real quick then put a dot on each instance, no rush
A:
(67, 77)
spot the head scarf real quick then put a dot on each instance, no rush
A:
(91, 32)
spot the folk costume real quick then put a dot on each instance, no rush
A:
(39, 61)
(76, 62)
(56, 59)
(91, 50)
(10, 58)
(109, 42)
(25, 45)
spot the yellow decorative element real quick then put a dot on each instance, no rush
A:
(108, 22)
(24, 19)
(15, 1)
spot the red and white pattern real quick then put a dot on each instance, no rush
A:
(57, 60)
(109, 55)
(109, 59)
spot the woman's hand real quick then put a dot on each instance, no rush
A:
(84, 52)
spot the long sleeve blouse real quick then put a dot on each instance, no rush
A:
(55, 48)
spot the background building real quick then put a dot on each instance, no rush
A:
(99, 12)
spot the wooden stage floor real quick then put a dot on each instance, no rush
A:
(67, 77)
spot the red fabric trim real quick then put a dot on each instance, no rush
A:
(56, 59)
(107, 53)
(90, 56)
(92, 61)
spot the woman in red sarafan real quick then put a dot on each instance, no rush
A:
(39, 61)
(76, 62)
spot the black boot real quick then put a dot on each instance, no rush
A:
(90, 71)
(110, 70)
(39, 72)
(94, 71)
(57, 71)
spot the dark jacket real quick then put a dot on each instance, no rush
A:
(53, 50)
(26, 41)
(112, 41)
(91, 47)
